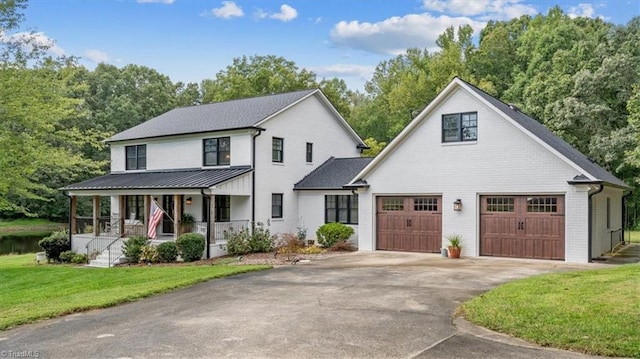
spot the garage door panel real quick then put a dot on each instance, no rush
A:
(409, 224)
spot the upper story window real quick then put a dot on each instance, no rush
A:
(217, 151)
(309, 152)
(277, 149)
(136, 157)
(460, 127)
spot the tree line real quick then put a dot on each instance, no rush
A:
(580, 77)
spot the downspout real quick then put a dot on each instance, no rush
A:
(253, 179)
(208, 236)
(590, 218)
(70, 205)
(624, 212)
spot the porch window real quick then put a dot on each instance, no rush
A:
(460, 127)
(134, 207)
(276, 205)
(222, 212)
(341, 208)
(136, 157)
(277, 149)
(309, 152)
(217, 151)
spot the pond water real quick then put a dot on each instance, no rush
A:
(19, 244)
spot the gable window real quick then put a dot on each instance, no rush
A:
(460, 127)
(309, 152)
(217, 151)
(277, 150)
(276, 205)
(341, 208)
(136, 157)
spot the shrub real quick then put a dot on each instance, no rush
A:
(67, 256)
(167, 252)
(79, 258)
(132, 248)
(331, 233)
(261, 240)
(55, 244)
(238, 242)
(289, 244)
(149, 254)
(190, 246)
(312, 250)
(342, 246)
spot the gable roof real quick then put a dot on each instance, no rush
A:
(228, 115)
(192, 178)
(590, 169)
(334, 173)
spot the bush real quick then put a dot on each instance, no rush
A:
(190, 246)
(261, 240)
(312, 250)
(167, 252)
(79, 258)
(55, 244)
(331, 233)
(243, 242)
(238, 242)
(289, 244)
(132, 248)
(149, 254)
(67, 256)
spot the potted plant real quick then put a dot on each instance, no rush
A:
(454, 245)
(187, 222)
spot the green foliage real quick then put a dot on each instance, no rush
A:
(331, 233)
(191, 246)
(55, 244)
(67, 256)
(167, 252)
(261, 240)
(149, 254)
(243, 241)
(238, 241)
(132, 248)
(454, 240)
(375, 147)
(79, 258)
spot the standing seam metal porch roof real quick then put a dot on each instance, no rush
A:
(228, 115)
(192, 178)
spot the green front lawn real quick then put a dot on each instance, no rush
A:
(595, 311)
(32, 291)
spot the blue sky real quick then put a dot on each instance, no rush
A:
(192, 40)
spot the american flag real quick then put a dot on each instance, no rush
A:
(154, 219)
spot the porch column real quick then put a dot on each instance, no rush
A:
(177, 215)
(147, 209)
(212, 218)
(123, 212)
(72, 213)
(96, 216)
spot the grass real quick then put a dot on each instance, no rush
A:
(32, 291)
(29, 227)
(633, 236)
(595, 312)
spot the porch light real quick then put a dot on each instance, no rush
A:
(457, 205)
(189, 201)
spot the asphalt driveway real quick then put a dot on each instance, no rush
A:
(360, 305)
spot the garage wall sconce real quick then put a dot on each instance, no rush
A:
(457, 205)
(189, 201)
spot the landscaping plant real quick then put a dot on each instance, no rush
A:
(55, 244)
(167, 252)
(190, 246)
(132, 248)
(331, 233)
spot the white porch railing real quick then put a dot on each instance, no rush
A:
(220, 228)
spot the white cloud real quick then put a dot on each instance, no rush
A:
(482, 9)
(394, 35)
(287, 13)
(316, 20)
(97, 56)
(582, 10)
(29, 40)
(228, 10)
(156, 1)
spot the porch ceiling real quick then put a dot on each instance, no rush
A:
(183, 179)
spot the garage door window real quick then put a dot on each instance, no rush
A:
(500, 204)
(393, 204)
(542, 204)
(425, 204)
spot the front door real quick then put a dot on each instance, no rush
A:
(167, 205)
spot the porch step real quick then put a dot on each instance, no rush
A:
(102, 260)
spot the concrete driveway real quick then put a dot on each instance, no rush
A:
(360, 305)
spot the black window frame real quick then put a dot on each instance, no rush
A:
(222, 158)
(140, 160)
(309, 153)
(343, 206)
(277, 153)
(277, 205)
(135, 202)
(460, 127)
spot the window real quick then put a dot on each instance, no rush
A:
(277, 153)
(542, 204)
(425, 204)
(500, 204)
(393, 204)
(309, 152)
(276, 205)
(217, 151)
(223, 209)
(136, 157)
(341, 208)
(134, 207)
(460, 127)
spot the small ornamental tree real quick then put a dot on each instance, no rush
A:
(331, 233)
(55, 244)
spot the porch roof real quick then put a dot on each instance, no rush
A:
(191, 178)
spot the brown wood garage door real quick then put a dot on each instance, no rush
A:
(412, 224)
(522, 226)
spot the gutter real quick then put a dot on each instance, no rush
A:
(590, 219)
(208, 236)
(253, 177)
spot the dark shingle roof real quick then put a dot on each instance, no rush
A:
(333, 173)
(194, 178)
(235, 114)
(551, 139)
